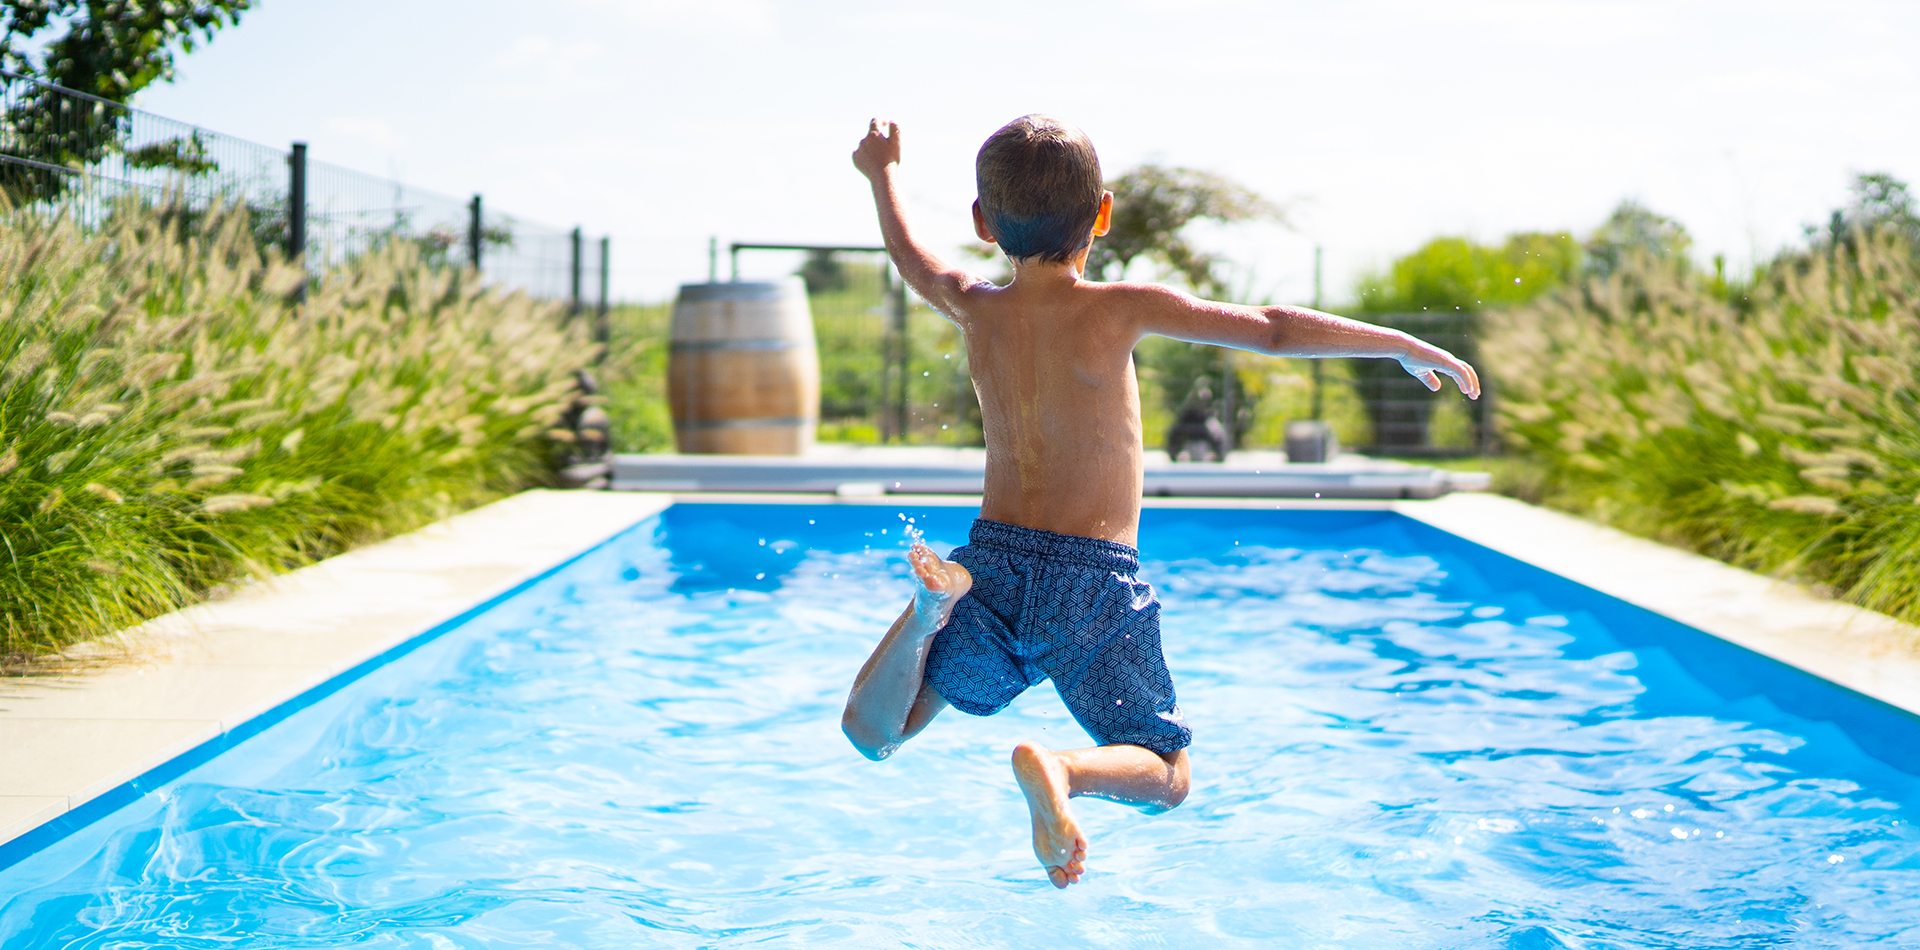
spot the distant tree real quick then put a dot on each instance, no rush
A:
(110, 49)
(1152, 205)
(1630, 230)
(1879, 202)
(1455, 274)
(823, 273)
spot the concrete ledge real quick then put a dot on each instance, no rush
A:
(923, 470)
(199, 673)
(1864, 651)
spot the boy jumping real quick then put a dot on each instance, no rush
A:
(1046, 586)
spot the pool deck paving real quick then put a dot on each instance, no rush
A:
(190, 677)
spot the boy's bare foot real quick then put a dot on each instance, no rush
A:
(1057, 840)
(942, 584)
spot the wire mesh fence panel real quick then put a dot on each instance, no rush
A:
(1406, 417)
(67, 152)
(869, 375)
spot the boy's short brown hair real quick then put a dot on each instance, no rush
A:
(1040, 188)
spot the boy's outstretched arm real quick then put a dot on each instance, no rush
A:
(1296, 331)
(878, 158)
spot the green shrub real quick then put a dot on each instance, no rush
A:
(634, 378)
(1778, 429)
(172, 417)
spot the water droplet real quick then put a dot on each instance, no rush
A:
(760, 576)
(1719, 834)
(1516, 280)
(926, 373)
(1678, 833)
(1316, 494)
(1834, 859)
(1669, 807)
(763, 542)
(809, 520)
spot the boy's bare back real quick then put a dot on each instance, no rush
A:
(1052, 360)
(1058, 404)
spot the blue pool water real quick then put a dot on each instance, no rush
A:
(1402, 740)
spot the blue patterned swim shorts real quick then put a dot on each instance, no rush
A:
(1054, 606)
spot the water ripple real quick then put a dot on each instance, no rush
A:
(644, 752)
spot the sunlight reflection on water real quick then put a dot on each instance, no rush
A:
(644, 751)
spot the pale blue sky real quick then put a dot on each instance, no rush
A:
(1382, 123)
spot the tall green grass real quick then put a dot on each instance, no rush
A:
(173, 415)
(1775, 427)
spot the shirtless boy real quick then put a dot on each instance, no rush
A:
(1046, 587)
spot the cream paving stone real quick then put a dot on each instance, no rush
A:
(81, 758)
(219, 693)
(1862, 650)
(20, 814)
(185, 678)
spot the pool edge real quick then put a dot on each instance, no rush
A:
(207, 676)
(1860, 650)
(1863, 651)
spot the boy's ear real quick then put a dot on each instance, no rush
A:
(980, 223)
(1102, 222)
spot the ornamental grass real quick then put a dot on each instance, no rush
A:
(1777, 428)
(179, 410)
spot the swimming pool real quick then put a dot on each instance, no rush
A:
(1401, 740)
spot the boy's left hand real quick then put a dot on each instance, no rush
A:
(1423, 360)
(879, 149)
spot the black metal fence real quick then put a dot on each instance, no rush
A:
(64, 151)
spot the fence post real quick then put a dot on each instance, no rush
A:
(602, 330)
(900, 355)
(473, 232)
(1319, 374)
(573, 292)
(883, 412)
(297, 202)
(1226, 398)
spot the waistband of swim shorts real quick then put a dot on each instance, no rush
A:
(1089, 552)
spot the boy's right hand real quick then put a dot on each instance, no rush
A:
(879, 149)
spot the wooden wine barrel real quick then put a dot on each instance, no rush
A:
(743, 371)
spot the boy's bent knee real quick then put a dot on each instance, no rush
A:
(1179, 777)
